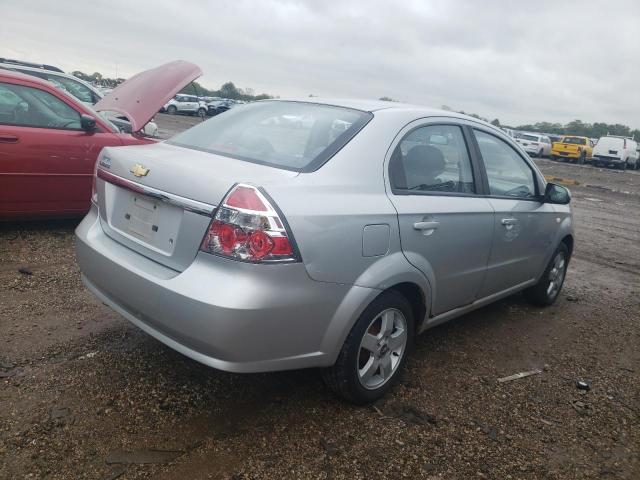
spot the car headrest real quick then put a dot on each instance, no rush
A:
(424, 161)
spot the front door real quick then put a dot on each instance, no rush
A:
(46, 159)
(523, 224)
(446, 228)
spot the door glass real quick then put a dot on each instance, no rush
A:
(432, 159)
(507, 172)
(30, 107)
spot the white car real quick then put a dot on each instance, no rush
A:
(534, 144)
(621, 152)
(83, 91)
(189, 104)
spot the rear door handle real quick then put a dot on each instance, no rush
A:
(509, 222)
(8, 138)
(427, 227)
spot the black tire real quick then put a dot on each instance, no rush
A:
(623, 166)
(540, 293)
(541, 153)
(554, 158)
(342, 378)
(582, 158)
(172, 110)
(202, 113)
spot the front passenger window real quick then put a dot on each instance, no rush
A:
(507, 172)
(31, 107)
(432, 159)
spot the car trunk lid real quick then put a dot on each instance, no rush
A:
(144, 94)
(158, 199)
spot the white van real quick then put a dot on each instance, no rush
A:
(621, 152)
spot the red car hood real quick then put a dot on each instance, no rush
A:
(144, 94)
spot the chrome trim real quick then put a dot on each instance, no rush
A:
(182, 202)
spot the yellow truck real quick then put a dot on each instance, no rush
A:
(572, 148)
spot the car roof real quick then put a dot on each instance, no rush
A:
(23, 77)
(55, 73)
(373, 106)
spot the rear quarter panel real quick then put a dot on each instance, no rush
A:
(328, 209)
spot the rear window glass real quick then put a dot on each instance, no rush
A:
(574, 140)
(294, 136)
(532, 138)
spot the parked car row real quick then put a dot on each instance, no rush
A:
(201, 106)
(610, 150)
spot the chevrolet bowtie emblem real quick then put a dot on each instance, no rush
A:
(139, 170)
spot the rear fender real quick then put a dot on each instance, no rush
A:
(383, 274)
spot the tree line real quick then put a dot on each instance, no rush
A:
(227, 90)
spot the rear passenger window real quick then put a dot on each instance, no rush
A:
(507, 172)
(432, 159)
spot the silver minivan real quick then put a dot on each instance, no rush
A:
(252, 242)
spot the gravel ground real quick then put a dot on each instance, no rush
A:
(85, 395)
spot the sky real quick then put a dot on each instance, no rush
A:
(520, 62)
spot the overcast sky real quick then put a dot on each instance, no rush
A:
(518, 61)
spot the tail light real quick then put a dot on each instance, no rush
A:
(247, 227)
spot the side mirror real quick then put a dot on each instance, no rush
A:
(556, 194)
(87, 123)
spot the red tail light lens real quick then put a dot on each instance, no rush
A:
(247, 227)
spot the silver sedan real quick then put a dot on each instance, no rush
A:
(296, 234)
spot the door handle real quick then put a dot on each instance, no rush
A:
(509, 222)
(427, 227)
(8, 138)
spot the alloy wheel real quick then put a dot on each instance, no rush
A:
(382, 348)
(556, 275)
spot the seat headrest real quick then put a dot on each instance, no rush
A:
(424, 161)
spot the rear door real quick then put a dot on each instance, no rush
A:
(46, 159)
(446, 226)
(524, 226)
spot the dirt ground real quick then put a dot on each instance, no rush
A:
(83, 394)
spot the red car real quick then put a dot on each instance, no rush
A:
(49, 141)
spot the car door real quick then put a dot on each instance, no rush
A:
(524, 228)
(46, 159)
(185, 104)
(446, 226)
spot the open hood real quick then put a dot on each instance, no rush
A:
(144, 94)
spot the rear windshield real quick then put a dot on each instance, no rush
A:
(533, 138)
(294, 136)
(574, 140)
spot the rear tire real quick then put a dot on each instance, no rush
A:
(202, 113)
(540, 153)
(172, 110)
(375, 350)
(546, 291)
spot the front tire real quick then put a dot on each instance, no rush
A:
(375, 350)
(172, 110)
(546, 291)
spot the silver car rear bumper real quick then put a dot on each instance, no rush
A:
(233, 316)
